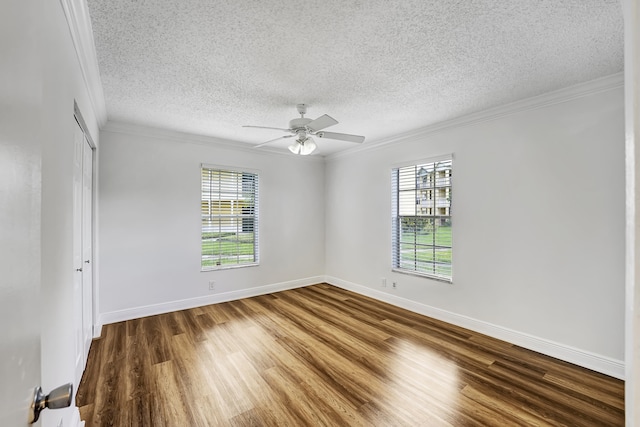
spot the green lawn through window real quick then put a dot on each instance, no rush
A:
(226, 248)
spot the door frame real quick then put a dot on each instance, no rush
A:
(631, 15)
(94, 188)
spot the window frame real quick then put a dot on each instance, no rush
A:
(238, 219)
(397, 242)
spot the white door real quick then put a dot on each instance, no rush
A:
(19, 269)
(87, 247)
(20, 178)
(82, 248)
(78, 142)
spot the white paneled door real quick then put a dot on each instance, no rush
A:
(87, 247)
(82, 248)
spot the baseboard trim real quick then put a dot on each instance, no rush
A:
(97, 331)
(75, 418)
(608, 366)
(605, 365)
(167, 307)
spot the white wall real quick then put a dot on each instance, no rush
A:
(149, 199)
(538, 217)
(61, 83)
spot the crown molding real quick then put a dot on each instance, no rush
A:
(559, 96)
(210, 141)
(79, 22)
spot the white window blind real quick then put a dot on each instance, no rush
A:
(421, 215)
(229, 207)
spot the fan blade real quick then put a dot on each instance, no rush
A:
(321, 123)
(273, 140)
(341, 136)
(266, 127)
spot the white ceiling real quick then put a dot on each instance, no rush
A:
(379, 67)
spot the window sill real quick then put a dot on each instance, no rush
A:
(227, 267)
(424, 275)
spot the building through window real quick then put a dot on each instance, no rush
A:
(421, 215)
(229, 210)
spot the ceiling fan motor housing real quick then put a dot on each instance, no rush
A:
(302, 109)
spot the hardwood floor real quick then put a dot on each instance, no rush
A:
(323, 356)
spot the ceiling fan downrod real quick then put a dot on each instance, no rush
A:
(302, 109)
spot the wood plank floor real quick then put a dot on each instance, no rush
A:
(323, 356)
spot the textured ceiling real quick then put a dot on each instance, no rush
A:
(379, 67)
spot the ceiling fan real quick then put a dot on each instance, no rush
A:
(302, 129)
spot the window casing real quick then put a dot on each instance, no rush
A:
(229, 210)
(421, 219)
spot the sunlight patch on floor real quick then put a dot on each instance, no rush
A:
(433, 378)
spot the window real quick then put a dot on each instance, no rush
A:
(421, 214)
(229, 207)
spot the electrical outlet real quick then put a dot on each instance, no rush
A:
(395, 285)
(383, 281)
(212, 285)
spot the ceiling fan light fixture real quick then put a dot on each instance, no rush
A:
(308, 146)
(295, 147)
(303, 147)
